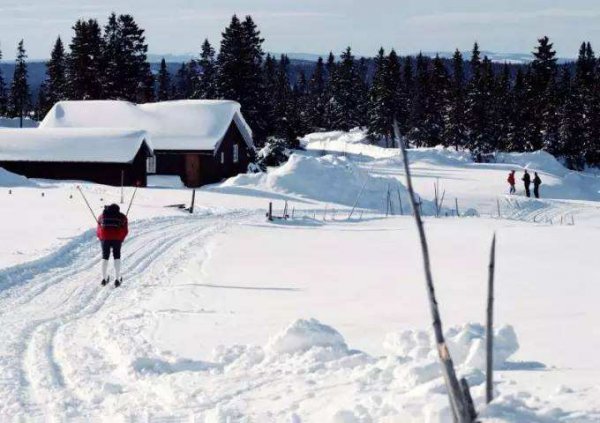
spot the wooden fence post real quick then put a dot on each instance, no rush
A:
(270, 211)
(400, 201)
(489, 330)
(193, 201)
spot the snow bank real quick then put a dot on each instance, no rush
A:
(9, 179)
(466, 344)
(6, 122)
(535, 161)
(330, 179)
(165, 181)
(303, 335)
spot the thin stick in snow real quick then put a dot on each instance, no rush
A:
(489, 331)
(400, 201)
(455, 393)
(87, 204)
(456, 204)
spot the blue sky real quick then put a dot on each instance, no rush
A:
(317, 26)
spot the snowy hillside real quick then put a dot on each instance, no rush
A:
(225, 317)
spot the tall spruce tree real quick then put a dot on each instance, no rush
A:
(164, 82)
(317, 97)
(455, 129)
(542, 95)
(127, 73)
(347, 91)
(183, 86)
(207, 84)
(19, 89)
(417, 134)
(384, 97)
(479, 136)
(3, 93)
(55, 85)
(84, 62)
(503, 108)
(405, 100)
(239, 65)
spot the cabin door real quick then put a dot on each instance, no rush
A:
(192, 170)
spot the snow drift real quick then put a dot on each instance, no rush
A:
(9, 179)
(329, 179)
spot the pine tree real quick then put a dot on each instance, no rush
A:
(436, 103)
(478, 103)
(182, 88)
(417, 134)
(405, 100)
(19, 89)
(503, 109)
(455, 130)
(127, 73)
(3, 93)
(55, 86)
(572, 129)
(317, 97)
(330, 68)
(164, 82)
(379, 109)
(347, 93)
(84, 62)
(384, 97)
(269, 85)
(207, 84)
(239, 65)
(519, 116)
(542, 95)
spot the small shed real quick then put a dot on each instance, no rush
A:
(202, 141)
(101, 155)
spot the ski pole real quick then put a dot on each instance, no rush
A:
(86, 202)
(131, 201)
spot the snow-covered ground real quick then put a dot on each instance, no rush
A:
(225, 317)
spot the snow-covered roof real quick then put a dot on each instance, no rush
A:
(173, 125)
(105, 145)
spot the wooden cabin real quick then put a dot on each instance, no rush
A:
(202, 141)
(104, 156)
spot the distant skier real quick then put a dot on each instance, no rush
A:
(527, 182)
(511, 182)
(536, 185)
(112, 231)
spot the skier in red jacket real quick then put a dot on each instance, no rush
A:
(511, 181)
(112, 231)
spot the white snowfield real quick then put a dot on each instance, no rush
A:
(225, 317)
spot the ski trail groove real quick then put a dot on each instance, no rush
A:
(35, 310)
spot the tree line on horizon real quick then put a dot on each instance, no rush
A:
(464, 104)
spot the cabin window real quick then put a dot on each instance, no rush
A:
(236, 153)
(222, 157)
(151, 164)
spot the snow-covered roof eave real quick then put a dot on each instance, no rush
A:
(73, 145)
(244, 129)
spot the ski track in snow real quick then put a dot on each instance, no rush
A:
(49, 302)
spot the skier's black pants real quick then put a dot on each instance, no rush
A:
(536, 191)
(115, 246)
(527, 193)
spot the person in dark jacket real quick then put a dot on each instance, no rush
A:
(527, 182)
(536, 185)
(112, 231)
